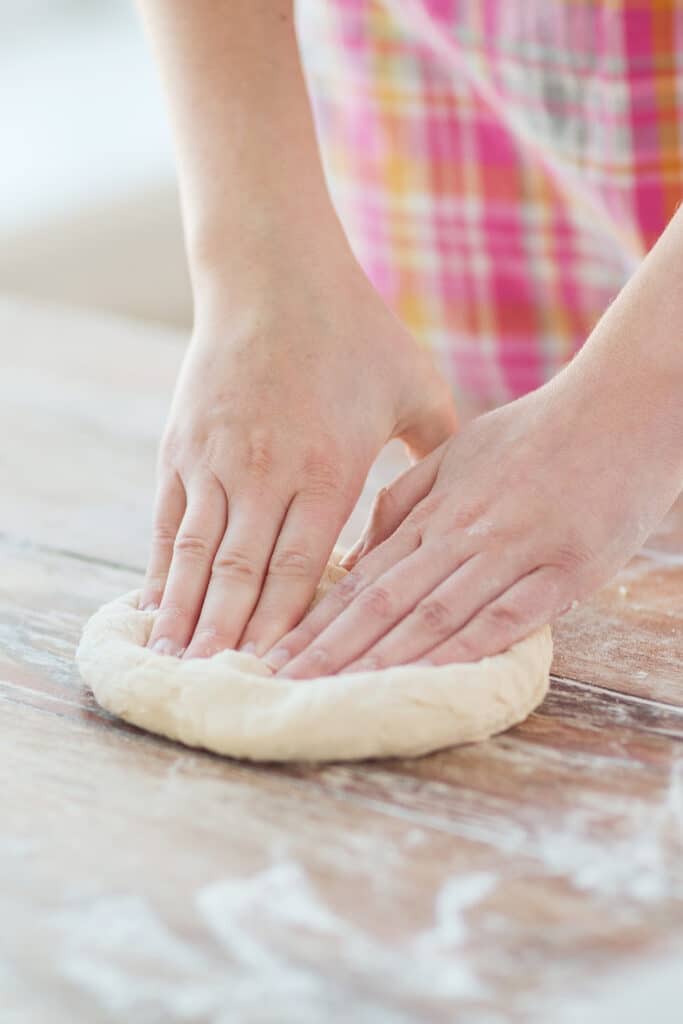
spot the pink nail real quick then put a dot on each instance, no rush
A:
(150, 607)
(164, 645)
(248, 648)
(277, 658)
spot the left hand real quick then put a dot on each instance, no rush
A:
(281, 406)
(497, 532)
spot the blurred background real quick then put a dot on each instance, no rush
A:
(88, 205)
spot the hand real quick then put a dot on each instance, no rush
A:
(279, 411)
(497, 532)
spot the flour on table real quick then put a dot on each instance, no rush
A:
(231, 703)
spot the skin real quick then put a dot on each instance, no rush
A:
(297, 374)
(528, 509)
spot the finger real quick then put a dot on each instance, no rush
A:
(196, 542)
(168, 514)
(530, 603)
(296, 565)
(237, 573)
(446, 608)
(398, 547)
(392, 504)
(374, 613)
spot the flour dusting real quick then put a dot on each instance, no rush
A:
(258, 955)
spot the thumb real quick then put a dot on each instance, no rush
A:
(393, 503)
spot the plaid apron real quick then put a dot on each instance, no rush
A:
(500, 166)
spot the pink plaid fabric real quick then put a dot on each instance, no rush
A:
(501, 166)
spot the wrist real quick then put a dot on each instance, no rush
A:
(246, 266)
(634, 356)
(629, 388)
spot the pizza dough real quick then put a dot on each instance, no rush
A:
(231, 703)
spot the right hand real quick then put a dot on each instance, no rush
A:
(279, 411)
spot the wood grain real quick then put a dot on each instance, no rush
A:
(83, 399)
(562, 838)
(518, 880)
(629, 637)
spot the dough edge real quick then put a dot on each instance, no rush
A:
(230, 703)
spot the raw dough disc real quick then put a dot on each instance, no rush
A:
(231, 704)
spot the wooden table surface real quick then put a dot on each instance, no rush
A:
(535, 877)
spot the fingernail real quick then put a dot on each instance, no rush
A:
(164, 645)
(364, 665)
(151, 607)
(248, 648)
(277, 658)
(424, 663)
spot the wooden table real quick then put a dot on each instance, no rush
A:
(535, 877)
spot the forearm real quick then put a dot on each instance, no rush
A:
(249, 169)
(634, 356)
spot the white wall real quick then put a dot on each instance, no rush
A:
(88, 210)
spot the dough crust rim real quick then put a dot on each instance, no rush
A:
(230, 703)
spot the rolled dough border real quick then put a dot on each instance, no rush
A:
(231, 704)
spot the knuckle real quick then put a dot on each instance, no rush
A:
(171, 616)
(410, 533)
(234, 565)
(435, 616)
(503, 616)
(170, 451)
(291, 561)
(212, 461)
(347, 588)
(191, 545)
(573, 556)
(322, 475)
(163, 535)
(260, 455)
(376, 601)
(467, 514)
(465, 647)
